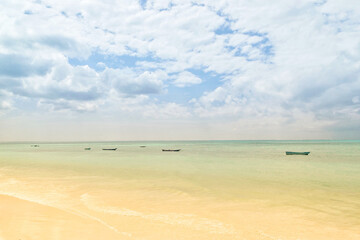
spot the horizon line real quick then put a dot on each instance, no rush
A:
(180, 140)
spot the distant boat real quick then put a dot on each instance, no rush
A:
(109, 149)
(142, 146)
(171, 150)
(87, 148)
(297, 153)
(35, 145)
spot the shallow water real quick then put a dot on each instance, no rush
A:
(208, 190)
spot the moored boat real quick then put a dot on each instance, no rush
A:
(297, 153)
(109, 149)
(87, 148)
(171, 150)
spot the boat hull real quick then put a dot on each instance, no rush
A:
(171, 150)
(297, 153)
(109, 149)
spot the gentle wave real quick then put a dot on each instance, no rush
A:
(268, 236)
(187, 220)
(54, 201)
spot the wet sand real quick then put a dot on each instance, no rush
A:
(22, 219)
(26, 220)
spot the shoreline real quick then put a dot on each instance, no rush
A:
(181, 140)
(34, 220)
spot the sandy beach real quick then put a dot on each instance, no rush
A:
(218, 191)
(22, 219)
(179, 120)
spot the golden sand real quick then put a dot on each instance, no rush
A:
(25, 220)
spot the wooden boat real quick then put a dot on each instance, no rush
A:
(171, 150)
(109, 149)
(297, 153)
(87, 148)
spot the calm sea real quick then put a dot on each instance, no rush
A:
(208, 190)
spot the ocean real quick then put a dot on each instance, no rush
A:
(208, 190)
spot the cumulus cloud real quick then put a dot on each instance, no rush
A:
(165, 111)
(281, 61)
(22, 66)
(128, 82)
(5, 105)
(185, 79)
(65, 105)
(5, 101)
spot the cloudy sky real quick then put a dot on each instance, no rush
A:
(179, 69)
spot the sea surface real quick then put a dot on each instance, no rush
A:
(209, 190)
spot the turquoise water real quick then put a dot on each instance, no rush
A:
(323, 187)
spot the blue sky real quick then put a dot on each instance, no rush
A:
(171, 69)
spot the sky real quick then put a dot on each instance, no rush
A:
(105, 70)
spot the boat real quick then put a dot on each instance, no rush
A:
(142, 146)
(297, 153)
(171, 150)
(36, 145)
(87, 148)
(109, 149)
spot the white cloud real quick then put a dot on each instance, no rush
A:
(185, 79)
(166, 111)
(128, 82)
(5, 105)
(270, 59)
(356, 99)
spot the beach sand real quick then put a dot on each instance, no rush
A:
(26, 220)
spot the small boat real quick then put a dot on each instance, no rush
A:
(109, 149)
(142, 146)
(297, 153)
(171, 150)
(87, 148)
(36, 145)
